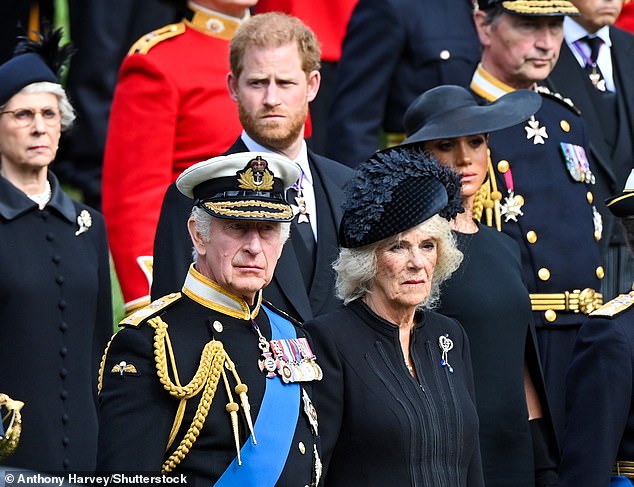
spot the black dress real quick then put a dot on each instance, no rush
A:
(488, 296)
(380, 426)
(55, 319)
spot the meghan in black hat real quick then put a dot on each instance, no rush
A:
(397, 376)
(489, 297)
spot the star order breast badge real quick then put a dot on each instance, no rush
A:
(535, 132)
(511, 209)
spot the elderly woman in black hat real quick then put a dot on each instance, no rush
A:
(55, 300)
(396, 404)
(487, 294)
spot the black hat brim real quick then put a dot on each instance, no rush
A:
(621, 205)
(509, 110)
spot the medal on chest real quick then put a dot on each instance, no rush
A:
(290, 358)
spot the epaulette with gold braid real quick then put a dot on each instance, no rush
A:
(567, 102)
(152, 309)
(615, 307)
(148, 41)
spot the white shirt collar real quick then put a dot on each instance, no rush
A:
(573, 32)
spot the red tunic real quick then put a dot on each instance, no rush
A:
(328, 21)
(626, 19)
(171, 109)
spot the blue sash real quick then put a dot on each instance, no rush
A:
(620, 481)
(274, 428)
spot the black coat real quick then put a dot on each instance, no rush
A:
(55, 319)
(393, 51)
(378, 425)
(487, 295)
(287, 291)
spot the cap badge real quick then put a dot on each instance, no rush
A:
(256, 176)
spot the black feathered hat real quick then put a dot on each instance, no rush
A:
(393, 191)
(32, 62)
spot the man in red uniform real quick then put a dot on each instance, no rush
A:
(171, 109)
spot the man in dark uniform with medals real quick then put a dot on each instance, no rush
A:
(598, 443)
(541, 192)
(213, 382)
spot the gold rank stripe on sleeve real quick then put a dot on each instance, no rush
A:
(148, 41)
(138, 317)
(615, 307)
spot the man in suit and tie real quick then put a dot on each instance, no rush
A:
(595, 70)
(274, 75)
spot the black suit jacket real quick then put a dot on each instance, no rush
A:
(287, 291)
(612, 165)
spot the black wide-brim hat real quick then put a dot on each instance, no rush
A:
(395, 190)
(450, 111)
(242, 186)
(622, 204)
(539, 8)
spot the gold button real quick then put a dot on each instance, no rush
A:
(531, 236)
(565, 126)
(597, 236)
(590, 197)
(600, 272)
(550, 315)
(503, 166)
(519, 199)
(544, 274)
(302, 448)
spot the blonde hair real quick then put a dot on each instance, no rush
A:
(356, 268)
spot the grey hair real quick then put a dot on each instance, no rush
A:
(202, 225)
(356, 268)
(66, 110)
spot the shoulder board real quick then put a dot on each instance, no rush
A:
(280, 312)
(615, 307)
(148, 41)
(567, 102)
(151, 310)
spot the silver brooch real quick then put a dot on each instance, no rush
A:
(446, 344)
(84, 221)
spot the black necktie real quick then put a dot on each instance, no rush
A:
(594, 73)
(301, 225)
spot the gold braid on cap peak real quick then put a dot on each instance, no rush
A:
(538, 7)
(213, 359)
(487, 201)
